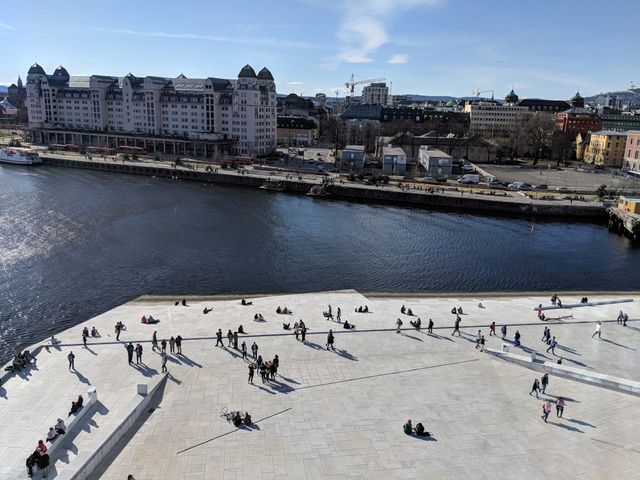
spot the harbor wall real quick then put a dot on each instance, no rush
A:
(350, 192)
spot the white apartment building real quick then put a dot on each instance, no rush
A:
(492, 121)
(205, 109)
(375, 94)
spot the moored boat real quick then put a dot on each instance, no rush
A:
(19, 157)
(273, 185)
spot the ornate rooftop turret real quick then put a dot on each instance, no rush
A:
(265, 74)
(61, 71)
(511, 98)
(247, 72)
(577, 101)
(36, 70)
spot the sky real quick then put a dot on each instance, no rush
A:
(542, 48)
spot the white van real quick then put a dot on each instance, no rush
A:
(469, 178)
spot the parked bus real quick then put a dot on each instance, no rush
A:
(101, 151)
(126, 149)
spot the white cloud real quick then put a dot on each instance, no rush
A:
(363, 28)
(296, 83)
(4, 26)
(399, 58)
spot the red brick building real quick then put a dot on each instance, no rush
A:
(578, 120)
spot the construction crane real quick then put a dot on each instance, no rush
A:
(477, 93)
(351, 85)
(634, 85)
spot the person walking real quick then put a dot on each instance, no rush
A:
(430, 326)
(492, 329)
(254, 350)
(482, 343)
(251, 370)
(398, 325)
(478, 337)
(303, 333)
(503, 330)
(84, 338)
(229, 338)
(138, 353)
(598, 330)
(546, 409)
(130, 352)
(179, 344)
(172, 344)
(235, 340)
(552, 346)
(296, 330)
(559, 407)
(456, 327)
(535, 387)
(330, 340)
(163, 345)
(244, 350)
(620, 317)
(338, 313)
(329, 315)
(516, 339)
(219, 342)
(163, 356)
(544, 382)
(544, 335)
(154, 341)
(118, 330)
(71, 357)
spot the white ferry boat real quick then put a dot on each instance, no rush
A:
(19, 157)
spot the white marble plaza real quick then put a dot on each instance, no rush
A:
(335, 415)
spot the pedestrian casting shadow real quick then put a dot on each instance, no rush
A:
(580, 422)
(174, 359)
(281, 387)
(345, 354)
(263, 388)
(81, 377)
(290, 380)
(425, 438)
(189, 362)
(567, 349)
(173, 379)
(411, 336)
(566, 427)
(583, 365)
(315, 346)
(566, 399)
(145, 370)
(90, 351)
(439, 337)
(617, 344)
(3, 393)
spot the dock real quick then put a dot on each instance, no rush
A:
(625, 223)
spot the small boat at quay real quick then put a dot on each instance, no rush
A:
(19, 157)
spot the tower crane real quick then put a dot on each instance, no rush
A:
(634, 85)
(351, 84)
(477, 93)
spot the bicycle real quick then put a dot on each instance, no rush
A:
(228, 415)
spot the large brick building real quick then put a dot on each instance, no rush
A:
(578, 119)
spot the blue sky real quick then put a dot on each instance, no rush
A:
(437, 47)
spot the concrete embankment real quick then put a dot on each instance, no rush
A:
(452, 200)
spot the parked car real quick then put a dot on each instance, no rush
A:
(562, 189)
(519, 186)
(542, 186)
(428, 180)
(495, 183)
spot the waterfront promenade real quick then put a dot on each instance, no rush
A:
(333, 414)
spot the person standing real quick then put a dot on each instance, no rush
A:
(163, 355)
(503, 330)
(338, 313)
(598, 330)
(398, 325)
(219, 342)
(303, 333)
(179, 344)
(535, 387)
(296, 330)
(138, 353)
(229, 338)
(251, 370)
(130, 352)
(559, 407)
(544, 335)
(154, 341)
(235, 340)
(544, 382)
(492, 329)
(430, 326)
(478, 337)
(84, 338)
(330, 340)
(516, 339)
(172, 344)
(552, 346)
(118, 330)
(546, 409)
(163, 345)
(254, 350)
(329, 316)
(456, 327)
(71, 357)
(482, 343)
(244, 350)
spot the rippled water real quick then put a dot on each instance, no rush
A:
(75, 243)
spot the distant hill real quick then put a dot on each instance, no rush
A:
(3, 89)
(626, 96)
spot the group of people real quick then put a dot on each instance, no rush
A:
(419, 430)
(362, 309)
(456, 311)
(21, 360)
(405, 311)
(622, 319)
(546, 409)
(555, 300)
(119, 328)
(540, 385)
(149, 320)
(238, 420)
(283, 311)
(39, 457)
(54, 432)
(85, 334)
(480, 341)
(267, 370)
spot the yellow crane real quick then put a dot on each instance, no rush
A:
(351, 84)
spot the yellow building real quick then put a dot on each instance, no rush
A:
(629, 204)
(606, 148)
